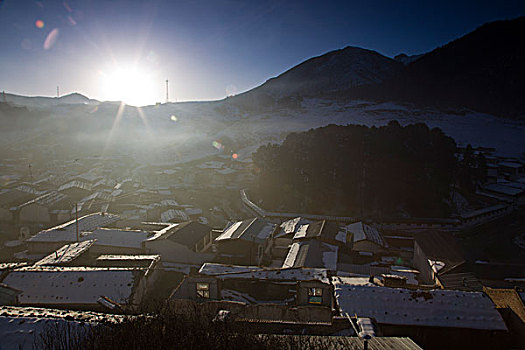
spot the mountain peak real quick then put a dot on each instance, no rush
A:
(334, 71)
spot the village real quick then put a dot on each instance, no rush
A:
(109, 236)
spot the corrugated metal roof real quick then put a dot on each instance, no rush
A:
(433, 308)
(172, 214)
(290, 227)
(349, 343)
(254, 230)
(312, 253)
(75, 184)
(67, 232)
(361, 231)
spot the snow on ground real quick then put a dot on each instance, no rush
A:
(175, 133)
(216, 120)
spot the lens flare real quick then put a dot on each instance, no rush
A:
(51, 39)
(68, 8)
(39, 23)
(218, 145)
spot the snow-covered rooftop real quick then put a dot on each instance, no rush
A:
(360, 232)
(119, 257)
(67, 232)
(171, 214)
(253, 272)
(256, 230)
(66, 254)
(290, 227)
(72, 285)
(312, 253)
(119, 238)
(75, 184)
(397, 306)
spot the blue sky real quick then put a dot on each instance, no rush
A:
(208, 49)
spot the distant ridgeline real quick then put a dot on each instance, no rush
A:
(356, 170)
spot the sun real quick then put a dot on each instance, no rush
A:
(131, 85)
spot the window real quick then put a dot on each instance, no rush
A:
(203, 290)
(315, 295)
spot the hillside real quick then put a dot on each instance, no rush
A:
(331, 73)
(41, 101)
(482, 70)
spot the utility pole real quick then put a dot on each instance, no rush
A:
(76, 215)
(58, 92)
(167, 90)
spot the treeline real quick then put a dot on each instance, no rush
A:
(390, 171)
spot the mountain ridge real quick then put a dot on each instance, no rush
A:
(481, 70)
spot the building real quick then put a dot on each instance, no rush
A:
(189, 242)
(508, 192)
(74, 254)
(245, 242)
(312, 253)
(437, 254)
(76, 189)
(52, 207)
(255, 285)
(511, 169)
(512, 309)
(324, 231)
(89, 288)
(11, 199)
(283, 238)
(435, 319)
(112, 260)
(118, 241)
(364, 239)
(47, 241)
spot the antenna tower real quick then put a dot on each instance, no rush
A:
(167, 89)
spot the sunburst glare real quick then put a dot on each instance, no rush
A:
(132, 85)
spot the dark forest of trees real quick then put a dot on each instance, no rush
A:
(390, 171)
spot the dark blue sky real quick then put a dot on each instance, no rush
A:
(210, 48)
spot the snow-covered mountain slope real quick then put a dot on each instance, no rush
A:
(181, 132)
(203, 123)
